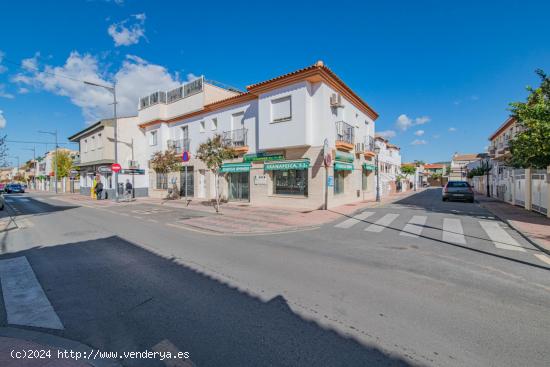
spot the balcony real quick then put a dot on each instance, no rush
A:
(179, 145)
(492, 152)
(174, 95)
(345, 134)
(237, 139)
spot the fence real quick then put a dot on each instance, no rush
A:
(539, 191)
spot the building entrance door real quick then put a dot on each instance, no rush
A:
(202, 183)
(187, 177)
(239, 186)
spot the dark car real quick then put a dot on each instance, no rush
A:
(15, 188)
(458, 190)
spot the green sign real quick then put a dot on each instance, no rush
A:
(344, 157)
(286, 165)
(342, 166)
(369, 167)
(235, 167)
(263, 157)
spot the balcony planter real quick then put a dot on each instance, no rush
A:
(343, 145)
(368, 154)
(241, 149)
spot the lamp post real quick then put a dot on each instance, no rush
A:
(111, 89)
(487, 169)
(377, 151)
(54, 134)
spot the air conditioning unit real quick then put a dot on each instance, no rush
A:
(335, 100)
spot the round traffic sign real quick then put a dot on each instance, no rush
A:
(186, 156)
(116, 167)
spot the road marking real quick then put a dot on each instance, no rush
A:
(543, 258)
(414, 227)
(452, 231)
(382, 223)
(353, 221)
(24, 299)
(500, 237)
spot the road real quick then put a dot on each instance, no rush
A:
(416, 283)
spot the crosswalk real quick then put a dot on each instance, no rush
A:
(451, 230)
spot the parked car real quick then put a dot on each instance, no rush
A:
(1, 202)
(15, 188)
(458, 190)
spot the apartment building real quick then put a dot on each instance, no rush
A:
(459, 163)
(97, 154)
(45, 170)
(278, 128)
(389, 165)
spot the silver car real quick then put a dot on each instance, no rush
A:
(458, 190)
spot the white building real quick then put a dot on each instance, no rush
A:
(278, 128)
(389, 166)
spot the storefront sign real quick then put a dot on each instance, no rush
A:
(104, 169)
(344, 157)
(263, 157)
(260, 180)
(133, 171)
(342, 166)
(286, 165)
(235, 167)
(369, 167)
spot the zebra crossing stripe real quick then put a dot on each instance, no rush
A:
(353, 221)
(382, 223)
(500, 237)
(24, 299)
(452, 231)
(414, 227)
(543, 258)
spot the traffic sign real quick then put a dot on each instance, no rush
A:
(116, 167)
(186, 156)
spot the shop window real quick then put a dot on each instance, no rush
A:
(162, 181)
(290, 182)
(339, 182)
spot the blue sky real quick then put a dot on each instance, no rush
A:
(446, 68)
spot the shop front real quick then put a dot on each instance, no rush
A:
(238, 180)
(289, 177)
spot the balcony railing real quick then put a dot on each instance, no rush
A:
(235, 138)
(167, 97)
(345, 132)
(179, 145)
(369, 144)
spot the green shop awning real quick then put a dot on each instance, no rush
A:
(285, 165)
(369, 167)
(343, 166)
(344, 157)
(235, 167)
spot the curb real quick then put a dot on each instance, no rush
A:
(527, 238)
(58, 343)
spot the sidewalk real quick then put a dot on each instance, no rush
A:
(533, 226)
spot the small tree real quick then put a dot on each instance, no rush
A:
(165, 162)
(64, 163)
(408, 170)
(531, 147)
(213, 152)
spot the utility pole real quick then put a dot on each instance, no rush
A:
(377, 151)
(53, 133)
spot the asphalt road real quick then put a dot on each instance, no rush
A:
(419, 282)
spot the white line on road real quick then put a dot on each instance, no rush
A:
(24, 299)
(500, 237)
(452, 231)
(543, 258)
(414, 227)
(382, 223)
(353, 221)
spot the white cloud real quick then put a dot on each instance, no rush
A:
(452, 129)
(386, 134)
(419, 132)
(404, 122)
(2, 120)
(126, 34)
(135, 78)
(23, 90)
(31, 63)
(419, 142)
(2, 67)
(5, 94)
(436, 136)
(191, 77)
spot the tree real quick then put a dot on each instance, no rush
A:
(408, 170)
(531, 146)
(480, 170)
(165, 162)
(64, 163)
(213, 152)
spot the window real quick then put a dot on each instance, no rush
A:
(214, 124)
(237, 121)
(85, 146)
(290, 182)
(162, 181)
(281, 109)
(339, 182)
(185, 132)
(153, 138)
(99, 141)
(202, 126)
(365, 180)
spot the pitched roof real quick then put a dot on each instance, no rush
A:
(434, 165)
(509, 121)
(467, 157)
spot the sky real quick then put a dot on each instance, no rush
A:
(439, 73)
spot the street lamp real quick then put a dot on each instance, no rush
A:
(377, 151)
(487, 169)
(53, 133)
(111, 89)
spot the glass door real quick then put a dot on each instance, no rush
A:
(189, 179)
(239, 186)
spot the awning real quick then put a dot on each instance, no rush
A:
(369, 167)
(286, 165)
(235, 167)
(343, 166)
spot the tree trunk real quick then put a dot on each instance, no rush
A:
(217, 191)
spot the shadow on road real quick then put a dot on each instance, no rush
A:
(117, 296)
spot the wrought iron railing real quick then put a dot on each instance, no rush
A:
(369, 143)
(235, 138)
(179, 145)
(345, 132)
